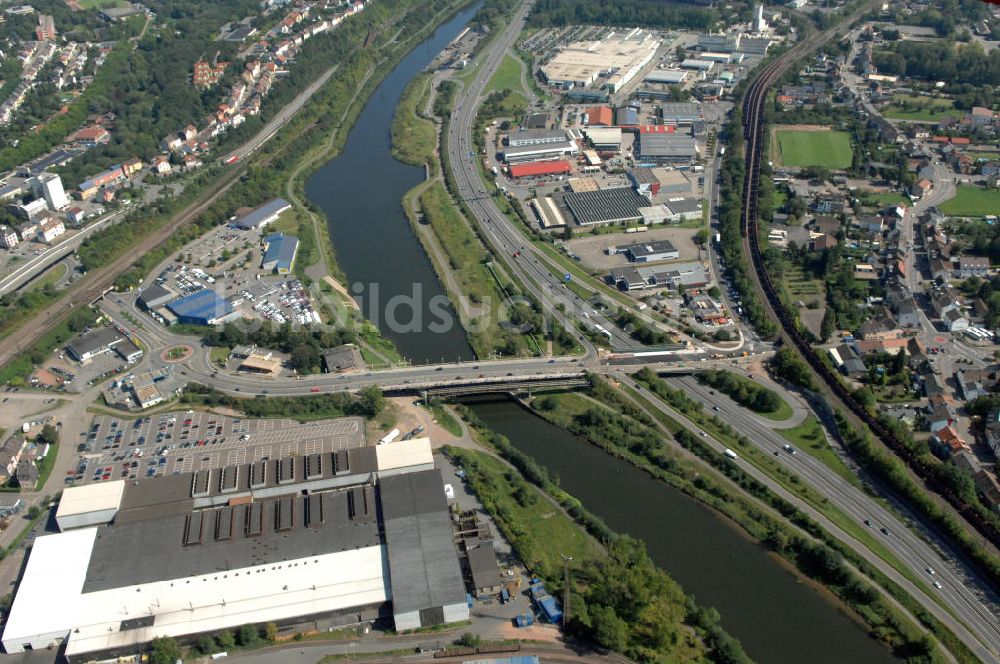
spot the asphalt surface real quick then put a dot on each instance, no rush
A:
(975, 609)
(966, 593)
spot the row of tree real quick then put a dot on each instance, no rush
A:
(742, 390)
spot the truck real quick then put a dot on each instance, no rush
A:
(732, 455)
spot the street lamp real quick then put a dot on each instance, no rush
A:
(566, 561)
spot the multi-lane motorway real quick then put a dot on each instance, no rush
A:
(962, 590)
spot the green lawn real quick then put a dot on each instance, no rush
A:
(972, 201)
(883, 198)
(815, 148)
(809, 437)
(287, 222)
(540, 531)
(920, 109)
(507, 76)
(51, 277)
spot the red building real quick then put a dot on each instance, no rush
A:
(600, 116)
(557, 167)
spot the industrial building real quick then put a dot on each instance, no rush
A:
(648, 252)
(537, 168)
(684, 209)
(600, 116)
(605, 139)
(513, 155)
(617, 58)
(264, 215)
(315, 541)
(548, 212)
(666, 76)
(666, 148)
(203, 307)
(279, 253)
(606, 206)
(688, 275)
(524, 137)
(682, 112)
(698, 65)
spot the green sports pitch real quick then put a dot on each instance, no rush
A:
(815, 148)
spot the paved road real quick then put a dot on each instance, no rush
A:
(963, 589)
(973, 611)
(43, 261)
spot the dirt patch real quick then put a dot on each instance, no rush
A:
(45, 378)
(592, 250)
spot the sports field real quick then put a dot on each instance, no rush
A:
(970, 201)
(814, 148)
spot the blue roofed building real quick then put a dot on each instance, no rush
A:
(263, 215)
(279, 253)
(204, 307)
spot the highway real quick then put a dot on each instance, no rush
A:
(962, 590)
(520, 257)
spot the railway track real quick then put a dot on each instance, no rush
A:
(753, 126)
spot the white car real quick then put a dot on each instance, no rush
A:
(930, 570)
(937, 585)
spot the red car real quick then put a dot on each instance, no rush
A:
(314, 389)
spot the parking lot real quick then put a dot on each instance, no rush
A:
(181, 442)
(592, 249)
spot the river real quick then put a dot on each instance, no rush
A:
(777, 617)
(360, 191)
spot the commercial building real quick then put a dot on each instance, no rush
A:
(48, 186)
(600, 116)
(648, 252)
(617, 58)
(688, 275)
(203, 307)
(315, 541)
(698, 65)
(260, 363)
(537, 168)
(684, 209)
(719, 43)
(279, 253)
(96, 342)
(155, 297)
(513, 155)
(524, 137)
(548, 212)
(483, 569)
(605, 206)
(264, 215)
(30, 210)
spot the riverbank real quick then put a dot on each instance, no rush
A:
(610, 421)
(651, 619)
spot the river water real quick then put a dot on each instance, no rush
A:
(360, 192)
(778, 618)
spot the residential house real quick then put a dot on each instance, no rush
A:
(946, 442)
(940, 417)
(921, 188)
(972, 266)
(988, 488)
(27, 475)
(8, 237)
(10, 456)
(50, 228)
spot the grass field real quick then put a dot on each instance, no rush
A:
(801, 288)
(970, 201)
(51, 277)
(920, 109)
(467, 258)
(809, 438)
(414, 138)
(540, 531)
(815, 148)
(507, 76)
(883, 198)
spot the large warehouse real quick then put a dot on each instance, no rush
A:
(264, 215)
(605, 206)
(617, 57)
(329, 539)
(204, 307)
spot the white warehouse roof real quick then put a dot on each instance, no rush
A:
(96, 497)
(404, 454)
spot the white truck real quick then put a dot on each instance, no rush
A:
(729, 453)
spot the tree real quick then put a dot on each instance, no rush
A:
(305, 357)
(271, 631)
(225, 639)
(247, 636)
(205, 644)
(371, 401)
(828, 325)
(164, 650)
(701, 237)
(609, 630)
(49, 435)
